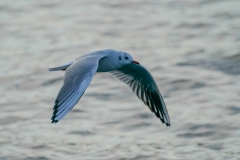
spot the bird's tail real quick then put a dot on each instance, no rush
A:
(63, 67)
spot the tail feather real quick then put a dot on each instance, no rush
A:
(63, 67)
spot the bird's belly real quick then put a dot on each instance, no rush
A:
(106, 65)
(102, 69)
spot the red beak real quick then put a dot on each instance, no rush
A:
(136, 62)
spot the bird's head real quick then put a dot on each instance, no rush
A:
(115, 60)
(125, 58)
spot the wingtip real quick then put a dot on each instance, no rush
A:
(168, 125)
(53, 118)
(54, 121)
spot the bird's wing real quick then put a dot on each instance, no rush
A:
(77, 78)
(144, 86)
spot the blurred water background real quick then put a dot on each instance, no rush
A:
(191, 47)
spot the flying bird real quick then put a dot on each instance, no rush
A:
(79, 74)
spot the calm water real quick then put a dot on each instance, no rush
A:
(192, 48)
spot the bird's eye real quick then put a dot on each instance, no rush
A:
(120, 58)
(126, 57)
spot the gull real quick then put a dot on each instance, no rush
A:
(79, 74)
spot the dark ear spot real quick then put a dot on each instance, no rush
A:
(120, 58)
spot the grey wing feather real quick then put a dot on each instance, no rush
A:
(144, 86)
(77, 78)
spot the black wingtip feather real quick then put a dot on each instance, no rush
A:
(54, 121)
(162, 120)
(53, 118)
(55, 108)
